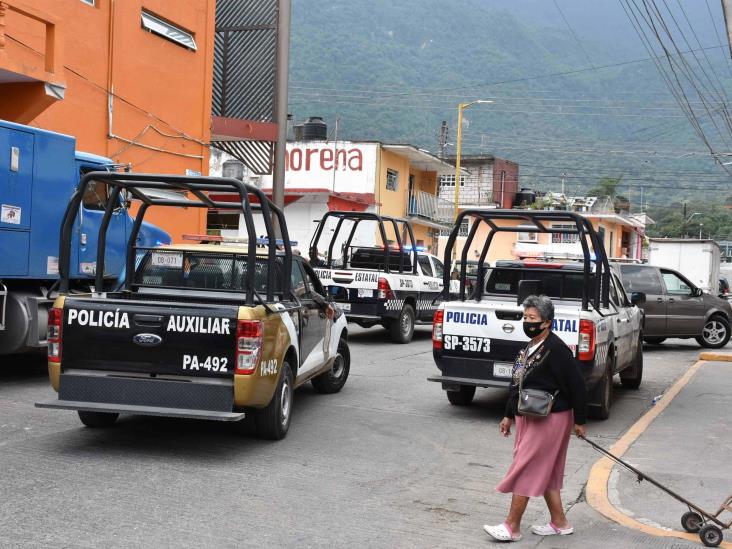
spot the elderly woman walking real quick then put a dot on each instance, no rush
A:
(540, 447)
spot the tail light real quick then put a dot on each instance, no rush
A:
(384, 289)
(586, 347)
(249, 336)
(55, 317)
(437, 329)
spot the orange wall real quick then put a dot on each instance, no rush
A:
(161, 108)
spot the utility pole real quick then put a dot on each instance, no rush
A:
(335, 151)
(443, 139)
(284, 15)
(563, 175)
(685, 220)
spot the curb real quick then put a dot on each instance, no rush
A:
(711, 356)
(597, 482)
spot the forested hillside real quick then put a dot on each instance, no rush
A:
(574, 91)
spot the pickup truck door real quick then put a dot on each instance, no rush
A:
(91, 213)
(644, 278)
(685, 310)
(429, 286)
(624, 329)
(315, 330)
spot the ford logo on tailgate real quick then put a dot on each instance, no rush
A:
(147, 340)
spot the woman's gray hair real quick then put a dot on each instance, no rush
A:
(542, 304)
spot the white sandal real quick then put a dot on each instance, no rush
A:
(502, 532)
(551, 530)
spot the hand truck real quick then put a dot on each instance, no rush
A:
(709, 526)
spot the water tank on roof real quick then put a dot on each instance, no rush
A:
(315, 129)
(233, 168)
(524, 198)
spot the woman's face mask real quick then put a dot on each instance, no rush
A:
(533, 324)
(533, 329)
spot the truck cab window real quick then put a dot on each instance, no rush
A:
(424, 264)
(314, 285)
(298, 280)
(439, 268)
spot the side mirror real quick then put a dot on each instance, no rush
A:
(638, 298)
(697, 292)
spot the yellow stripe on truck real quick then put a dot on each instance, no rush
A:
(256, 390)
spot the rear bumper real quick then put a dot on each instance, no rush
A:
(199, 399)
(448, 381)
(140, 410)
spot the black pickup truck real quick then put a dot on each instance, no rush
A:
(199, 330)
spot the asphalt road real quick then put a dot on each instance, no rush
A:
(385, 463)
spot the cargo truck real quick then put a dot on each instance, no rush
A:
(39, 172)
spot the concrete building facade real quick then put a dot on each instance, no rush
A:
(131, 80)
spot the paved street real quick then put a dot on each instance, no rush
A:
(385, 463)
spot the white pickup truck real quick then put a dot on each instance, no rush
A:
(477, 337)
(393, 284)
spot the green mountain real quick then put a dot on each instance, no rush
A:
(574, 90)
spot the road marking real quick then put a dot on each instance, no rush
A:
(597, 484)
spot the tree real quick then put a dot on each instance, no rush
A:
(607, 186)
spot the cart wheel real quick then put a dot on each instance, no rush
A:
(710, 535)
(691, 521)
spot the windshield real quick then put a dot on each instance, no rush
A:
(203, 271)
(557, 283)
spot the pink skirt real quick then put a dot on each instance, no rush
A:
(539, 454)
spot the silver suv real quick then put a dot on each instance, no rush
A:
(674, 307)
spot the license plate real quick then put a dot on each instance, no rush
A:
(502, 369)
(362, 292)
(174, 260)
(345, 307)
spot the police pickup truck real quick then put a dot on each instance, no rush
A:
(393, 284)
(476, 337)
(197, 331)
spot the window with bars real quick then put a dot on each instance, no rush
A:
(392, 180)
(449, 181)
(564, 238)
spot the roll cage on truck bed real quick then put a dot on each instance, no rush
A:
(477, 337)
(393, 285)
(236, 338)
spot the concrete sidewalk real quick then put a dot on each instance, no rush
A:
(687, 447)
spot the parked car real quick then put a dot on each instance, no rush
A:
(675, 307)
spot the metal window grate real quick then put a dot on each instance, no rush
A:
(168, 30)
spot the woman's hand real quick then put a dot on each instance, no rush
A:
(505, 426)
(580, 430)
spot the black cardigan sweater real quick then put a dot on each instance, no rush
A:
(557, 371)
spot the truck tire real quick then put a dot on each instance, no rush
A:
(274, 420)
(97, 420)
(335, 378)
(402, 329)
(605, 391)
(631, 377)
(463, 397)
(715, 333)
(654, 340)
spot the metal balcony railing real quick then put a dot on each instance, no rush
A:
(429, 206)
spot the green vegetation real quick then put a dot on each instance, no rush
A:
(393, 71)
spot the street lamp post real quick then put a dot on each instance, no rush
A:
(459, 144)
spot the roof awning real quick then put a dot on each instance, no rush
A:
(422, 160)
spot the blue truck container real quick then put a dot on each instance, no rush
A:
(39, 171)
